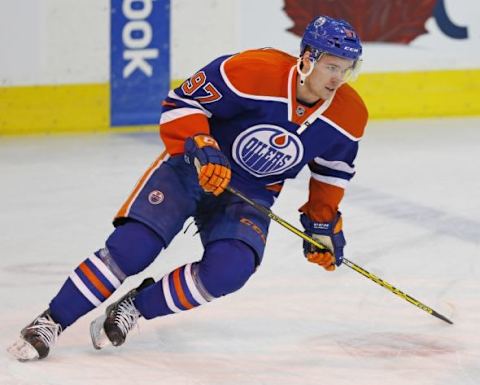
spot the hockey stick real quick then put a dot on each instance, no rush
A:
(347, 262)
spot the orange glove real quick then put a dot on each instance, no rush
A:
(326, 259)
(212, 166)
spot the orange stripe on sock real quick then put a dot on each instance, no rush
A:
(94, 280)
(178, 288)
(123, 212)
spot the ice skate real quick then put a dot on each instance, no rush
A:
(120, 317)
(36, 339)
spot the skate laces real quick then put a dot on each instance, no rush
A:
(126, 316)
(47, 330)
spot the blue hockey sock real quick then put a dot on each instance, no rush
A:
(130, 248)
(88, 286)
(224, 268)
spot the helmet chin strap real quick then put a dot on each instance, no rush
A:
(303, 75)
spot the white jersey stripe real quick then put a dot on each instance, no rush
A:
(168, 296)
(340, 129)
(197, 296)
(335, 165)
(107, 273)
(84, 289)
(193, 103)
(339, 182)
(178, 113)
(289, 93)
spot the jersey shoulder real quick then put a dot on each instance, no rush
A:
(348, 111)
(259, 72)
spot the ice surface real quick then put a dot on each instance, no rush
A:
(412, 217)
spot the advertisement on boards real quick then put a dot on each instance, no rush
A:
(139, 60)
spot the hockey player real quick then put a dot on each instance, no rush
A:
(253, 120)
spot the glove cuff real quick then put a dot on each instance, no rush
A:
(322, 228)
(331, 230)
(204, 140)
(195, 146)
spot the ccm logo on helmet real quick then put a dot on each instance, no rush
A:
(350, 49)
(137, 36)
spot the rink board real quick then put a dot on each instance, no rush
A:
(86, 107)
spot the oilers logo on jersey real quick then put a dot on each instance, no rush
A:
(266, 149)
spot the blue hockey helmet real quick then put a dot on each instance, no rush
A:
(333, 36)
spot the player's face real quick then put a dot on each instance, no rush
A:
(329, 73)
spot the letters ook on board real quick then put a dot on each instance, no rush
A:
(139, 60)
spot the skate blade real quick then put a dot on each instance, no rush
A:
(99, 338)
(23, 351)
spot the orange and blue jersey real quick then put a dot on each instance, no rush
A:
(248, 103)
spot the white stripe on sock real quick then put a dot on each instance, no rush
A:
(197, 296)
(107, 273)
(168, 295)
(84, 289)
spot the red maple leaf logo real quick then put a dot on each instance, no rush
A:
(374, 20)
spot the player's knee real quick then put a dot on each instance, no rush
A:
(226, 266)
(133, 246)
